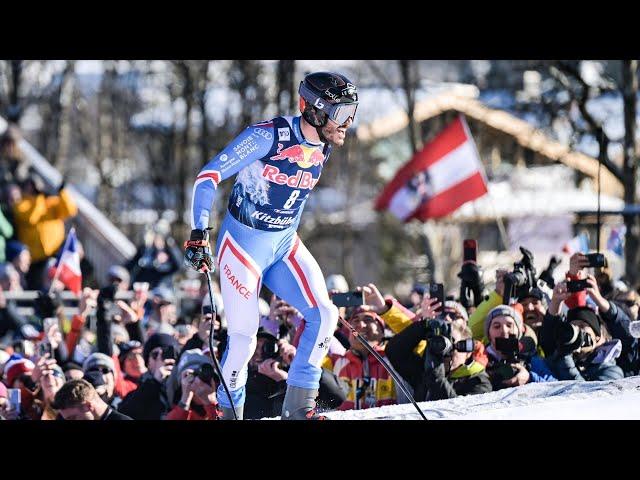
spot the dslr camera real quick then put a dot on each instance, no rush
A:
(510, 349)
(522, 279)
(570, 338)
(439, 341)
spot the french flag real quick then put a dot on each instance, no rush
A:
(68, 267)
(441, 177)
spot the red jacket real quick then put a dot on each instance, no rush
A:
(178, 413)
(354, 374)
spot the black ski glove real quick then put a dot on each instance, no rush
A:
(197, 252)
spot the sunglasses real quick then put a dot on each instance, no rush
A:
(102, 370)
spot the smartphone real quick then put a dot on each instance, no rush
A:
(470, 250)
(577, 285)
(168, 352)
(207, 310)
(14, 398)
(44, 348)
(436, 290)
(596, 260)
(349, 299)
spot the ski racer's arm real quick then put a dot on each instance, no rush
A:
(251, 145)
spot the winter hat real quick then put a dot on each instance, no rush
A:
(16, 366)
(535, 292)
(126, 348)
(119, 272)
(190, 359)
(13, 249)
(457, 307)
(587, 315)
(507, 311)
(337, 282)
(158, 340)
(98, 359)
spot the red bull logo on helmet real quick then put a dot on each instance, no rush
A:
(303, 155)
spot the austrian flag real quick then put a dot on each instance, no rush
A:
(441, 177)
(68, 268)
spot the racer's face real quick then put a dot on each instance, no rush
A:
(335, 133)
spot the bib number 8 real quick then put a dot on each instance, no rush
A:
(292, 199)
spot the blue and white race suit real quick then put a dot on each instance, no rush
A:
(277, 169)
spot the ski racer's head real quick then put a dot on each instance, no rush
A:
(328, 102)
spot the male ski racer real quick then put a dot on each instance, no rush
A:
(278, 163)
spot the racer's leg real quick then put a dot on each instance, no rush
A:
(297, 279)
(242, 255)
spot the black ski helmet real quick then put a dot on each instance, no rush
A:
(327, 95)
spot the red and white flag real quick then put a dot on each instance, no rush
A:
(68, 267)
(441, 177)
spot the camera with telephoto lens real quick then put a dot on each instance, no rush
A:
(522, 279)
(570, 337)
(270, 347)
(510, 350)
(440, 342)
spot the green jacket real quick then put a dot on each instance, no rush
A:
(6, 232)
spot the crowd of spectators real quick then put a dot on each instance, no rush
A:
(137, 347)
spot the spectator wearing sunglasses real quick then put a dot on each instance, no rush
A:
(101, 363)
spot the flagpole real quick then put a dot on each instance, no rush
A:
(501, 229)
(64, 247)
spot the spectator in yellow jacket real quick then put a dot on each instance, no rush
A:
(39, 221)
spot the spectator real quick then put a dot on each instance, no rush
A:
(119, 276)
(99, 362)
(17, 374)
(583, 352)
(131, 364)
(439, 374)
(163, 309)
(20, 257)
(149, 401)
(267, 379)
(518, 364)
(191, 388)
(49, 377)
(10, 320)
(6, 232)
(365, 381)
(39, 221)
(72, 371)
(13, 165)
(78, 400)
(282, 321)
(157, 259)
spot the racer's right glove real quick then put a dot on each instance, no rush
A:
(197, 250)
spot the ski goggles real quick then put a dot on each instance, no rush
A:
(336, 112)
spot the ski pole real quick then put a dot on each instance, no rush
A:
(372, 351)
(214, 309)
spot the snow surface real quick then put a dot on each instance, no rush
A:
(616, 399)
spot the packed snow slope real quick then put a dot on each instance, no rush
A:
(569, 400)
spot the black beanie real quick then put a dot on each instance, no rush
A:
(158, 340)
(587, 315)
